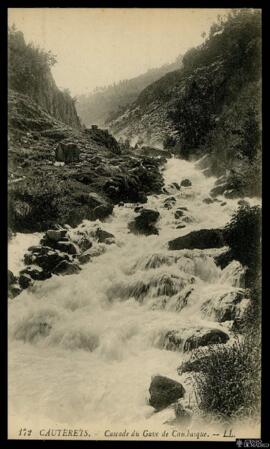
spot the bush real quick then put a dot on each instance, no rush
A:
(242, 234)
(228, 381)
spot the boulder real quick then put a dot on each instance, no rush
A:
(175, 340)
(180, 226)
(208, 200)
(164, 391)
(45, 257)
(103, 236)
(178, 214)
(84, 244)
(186, 183)
(11, 278)
(144, 222)
(36, 273)
(101, 212)
(67, 247)
(176, 185)
(25, 280)
(169, 202)
(64, 268)
(84, 258)
(13, 291)
(67, 152)
(205, 337)
(56, 234)
(202, 239)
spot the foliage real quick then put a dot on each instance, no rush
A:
(242, 234)
(26, 63)
(218, 110)
(228, 381)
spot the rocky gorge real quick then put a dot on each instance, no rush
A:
(133, 293)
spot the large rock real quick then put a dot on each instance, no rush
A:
(56, 234)
(176, 340)
(103, 236)
(67, 152)
(205, 337)
(144, 222)
(186, 183)
(45, 257)
(36, 273)
(25, 280)
(202, 239)
(164, 391)
(64, 268)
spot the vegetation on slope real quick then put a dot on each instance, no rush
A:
(29, 72)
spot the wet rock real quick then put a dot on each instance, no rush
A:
(186, 183)
(218, 190)
(101, 212)
(13, 291)
(84, 258)
(183, 208)
(84, 244)
(208, 200)
(45, 257)
(175, 340)
(36, 273)
(56, 234)
(65, 268)
(226, 307)
(180, 226)
(11, 278)
(103, 236)
(25, 280)
(178, 214)
(223, 203)
(243, 203)
(137, 209)
(223, 259)
(67, 247)
(202, 239)
(176, 185)
(205, 337)
(144, 223)
(164, 391)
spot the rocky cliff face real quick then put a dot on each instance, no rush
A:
(29, 73)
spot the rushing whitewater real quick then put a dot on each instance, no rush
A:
(83, 348)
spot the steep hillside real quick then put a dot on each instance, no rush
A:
(211, 106)
(107, 103)
(29, 72)
(62, 175)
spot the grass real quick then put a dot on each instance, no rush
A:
(227, 380)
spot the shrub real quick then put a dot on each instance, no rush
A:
(228, 381)
(242, 234)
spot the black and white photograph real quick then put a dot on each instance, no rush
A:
(134, 224)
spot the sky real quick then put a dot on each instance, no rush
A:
(99, 46)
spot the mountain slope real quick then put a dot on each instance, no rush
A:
(108, 102)
(211, 106)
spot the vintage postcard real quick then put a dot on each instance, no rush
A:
(134, 227)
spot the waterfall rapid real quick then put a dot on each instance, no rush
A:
(83, 348)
